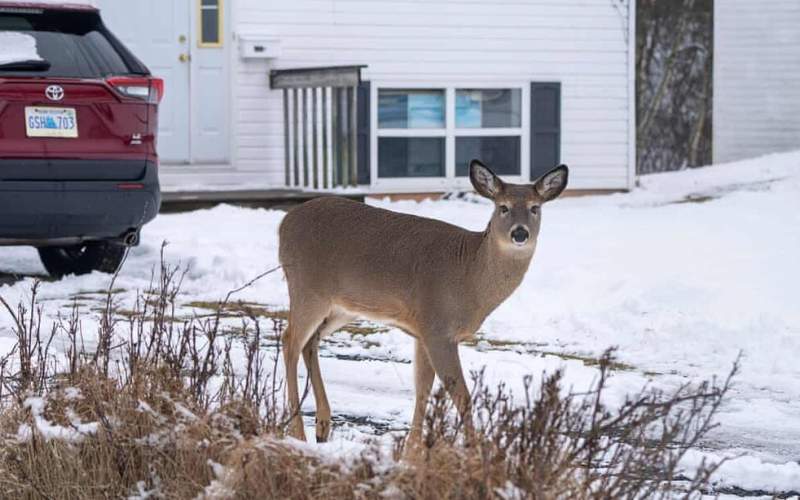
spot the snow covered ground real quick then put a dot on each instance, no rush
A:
(682, 275)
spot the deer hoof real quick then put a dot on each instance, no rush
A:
(323, 430)
(296, 430)
(413, 451)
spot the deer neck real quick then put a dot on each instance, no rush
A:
(500, 269)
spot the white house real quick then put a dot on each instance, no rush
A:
(413, 90)
(756, 73)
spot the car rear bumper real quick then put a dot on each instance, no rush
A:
(44, 212)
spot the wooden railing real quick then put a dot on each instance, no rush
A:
(320, 125)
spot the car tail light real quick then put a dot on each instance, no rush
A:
(146, 89)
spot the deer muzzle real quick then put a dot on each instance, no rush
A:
(520, 235)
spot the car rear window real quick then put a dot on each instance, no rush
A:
(75, 44)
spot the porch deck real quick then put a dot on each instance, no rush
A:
(185, 201)
(192, 187)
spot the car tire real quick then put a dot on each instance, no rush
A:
(82, 259)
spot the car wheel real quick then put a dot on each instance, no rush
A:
(82, 259)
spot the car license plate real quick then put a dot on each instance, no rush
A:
(51, 122)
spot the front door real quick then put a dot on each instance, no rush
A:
(160, 33)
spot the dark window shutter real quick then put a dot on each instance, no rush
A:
(363, 133)
(545, 127)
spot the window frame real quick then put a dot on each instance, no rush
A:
(220, 25)
(449, 132)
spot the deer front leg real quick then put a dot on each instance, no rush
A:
(443, 354)
(291, 356)
(423, 381)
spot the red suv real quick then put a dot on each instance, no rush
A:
(78, 121)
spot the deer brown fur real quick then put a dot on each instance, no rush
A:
(345, 260)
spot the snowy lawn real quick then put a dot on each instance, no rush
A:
(681, 275)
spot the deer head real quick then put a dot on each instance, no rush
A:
(518, 207)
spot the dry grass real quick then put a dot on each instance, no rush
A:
(166, 408)
(145, 435)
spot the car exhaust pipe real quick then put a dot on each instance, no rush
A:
(131, 238)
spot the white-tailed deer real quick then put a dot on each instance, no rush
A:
(345, 260)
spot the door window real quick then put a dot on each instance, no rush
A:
(210, 23)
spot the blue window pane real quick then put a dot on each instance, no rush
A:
(488, 108)
(411, 157)
(502, 154)
(210, 26)
(468, 110)
(410, 108)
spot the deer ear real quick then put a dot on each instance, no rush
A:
(484, 181)
(552, 184)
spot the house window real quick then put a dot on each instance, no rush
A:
(424, 133)
(412, 133)
(411, 157)
(210, 23)
(403, 109)
(488, 108)
(501, 152)
(493, 119)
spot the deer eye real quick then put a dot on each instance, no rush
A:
(535, 210)
(503, 209)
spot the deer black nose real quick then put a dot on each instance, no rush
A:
(520, 235)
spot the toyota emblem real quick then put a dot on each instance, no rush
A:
(54, 93)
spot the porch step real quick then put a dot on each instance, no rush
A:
(187, 201)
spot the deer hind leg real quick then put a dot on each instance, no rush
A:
(311, 359)
(446, 362)
(304, 321)
(423, 381)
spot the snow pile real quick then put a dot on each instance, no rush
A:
(749, 473)
(764, 173)
(17, 47)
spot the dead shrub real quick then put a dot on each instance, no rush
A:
(97, 439)
(549, 445)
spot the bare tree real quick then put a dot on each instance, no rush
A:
(674, 65)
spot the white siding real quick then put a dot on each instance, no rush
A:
(756, 74)
(580, 43)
